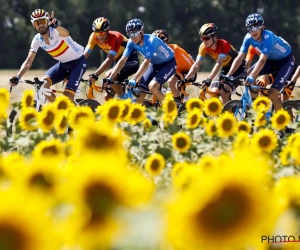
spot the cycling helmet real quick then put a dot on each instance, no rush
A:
(254, 20)
(38, 14)
(134, 25)
(162, 34)
(208, 29)
(100, 24)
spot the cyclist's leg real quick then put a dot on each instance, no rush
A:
(226, 89)
(288, 91)
(77, 70)
(54, 75)
(172, 85)
(286, 67)
(163, 73)
(144, 82)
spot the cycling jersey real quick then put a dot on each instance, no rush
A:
(115, 44)
(183, 60)
(153, 48)
(251, 53)
(274, 46)
(223, 50)
(63, 49)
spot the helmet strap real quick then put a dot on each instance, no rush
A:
(141, 40)
(213, 41)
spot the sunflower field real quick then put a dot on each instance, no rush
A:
(72, 179)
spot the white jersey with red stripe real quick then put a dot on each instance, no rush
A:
(63, 49)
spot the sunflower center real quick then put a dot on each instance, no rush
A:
(194, 119)
(243, 128)
(171, 106)
(28, 117)
(11, 238)
(40, 180)
(113, 112)
(225, 212)
(181, 142)
(155, 164)
(80, 116)
(28, 101)
(98, 141)
(51, 150)
(213, 107)
(48, 120)
(213, 128)
(136, 113)
(264, 141)
(281, 119)
(64, 122)
(62, 106)
(125, 111)
(195, 105)
(227, 125)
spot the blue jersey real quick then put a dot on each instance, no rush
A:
(153, 48)
(274, 46)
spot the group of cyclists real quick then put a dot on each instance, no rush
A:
(163, 62)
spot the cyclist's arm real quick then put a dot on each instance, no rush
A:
(296, 75)
(62, 32)
(26, 64)
(236, 63)
(108, 61)
(195, 67)
(141, 69)
(118, 67)
(217, 66)
(259, 65)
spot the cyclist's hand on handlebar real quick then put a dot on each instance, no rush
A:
(132, 83)
(249, 80)
(93, 77)
(206, 83)
(181, 82)
(14, 80)
(223, 78)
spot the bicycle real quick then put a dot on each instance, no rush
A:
(40, 99)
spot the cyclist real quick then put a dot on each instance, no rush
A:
(159, 63)
(113, 43)
(55, 40)
(296, 75)
(276, 56)
(183, 60)
(223, 53)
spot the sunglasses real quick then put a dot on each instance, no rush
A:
(205, 38)
(39, 22)
(133, 34)
(254, 28)
(101, 33)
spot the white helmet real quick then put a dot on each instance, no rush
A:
(38, 14)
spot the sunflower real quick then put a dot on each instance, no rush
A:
(226, 125)
(181, 142)
(186, 178)
(193, 119)
(112, 110)
(50, 150)
(194, 103)
(292, 138)
(244, 126)
(27, 98)
(125, 110)
(207, 163)
(235, 202)
(213, 106)
(63, 103)
(169, 107)
(260, 119)
(28, 119)
(261, 104)
(264, 140)
(280, 119)
(81, 116)
(284, 155)
(242, 141)
(61, 123)
(21, 223)
(147, 124)
(177, 168)
(136, 113)
(155, 164)
(295, 151)
(4, 98)
(203, 122)
(211, 128)
(46, 117)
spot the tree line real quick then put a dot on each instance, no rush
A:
(182, 20)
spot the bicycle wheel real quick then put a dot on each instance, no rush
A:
(91, 103)
(291, 106)
(235, 106)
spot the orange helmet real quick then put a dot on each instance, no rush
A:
(100, 24)
(208, 29)
(162, 34)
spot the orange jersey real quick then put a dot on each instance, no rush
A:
(223, 47)
(183, 59)
(115, 43)
(251, 53)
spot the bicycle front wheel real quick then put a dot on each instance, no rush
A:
(93, 104)
(291, 106)
(235, 106)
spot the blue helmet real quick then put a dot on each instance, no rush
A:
(134, 25)
(254, 20)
